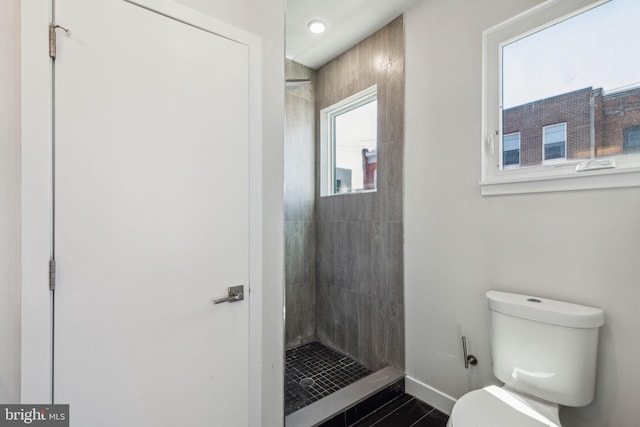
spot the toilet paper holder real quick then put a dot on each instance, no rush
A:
(469, 359)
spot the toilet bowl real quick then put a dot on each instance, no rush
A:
(495, 406)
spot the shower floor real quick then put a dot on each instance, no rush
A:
(313, 371)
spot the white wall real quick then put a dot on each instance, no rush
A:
(581, 247)
(10, 201)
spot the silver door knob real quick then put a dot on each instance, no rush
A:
(235, 293)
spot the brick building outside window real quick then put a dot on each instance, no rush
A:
(580, 125)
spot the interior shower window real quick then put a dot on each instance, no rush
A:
(352, 157)
(564, 78)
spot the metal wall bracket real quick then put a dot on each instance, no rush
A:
(469, 359)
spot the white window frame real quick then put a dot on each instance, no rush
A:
(552, 175)
(514, 165)
(327, 134)
(544, 143)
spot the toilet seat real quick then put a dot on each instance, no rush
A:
(494, 406)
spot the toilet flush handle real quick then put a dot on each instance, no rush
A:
(469, 359)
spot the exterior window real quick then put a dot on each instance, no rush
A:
(555, 142)
(632, 139)
(511, 149)
(561, 98)
(349, 144)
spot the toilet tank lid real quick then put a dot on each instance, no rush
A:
(545, 310)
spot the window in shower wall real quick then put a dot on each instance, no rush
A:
(349, 144)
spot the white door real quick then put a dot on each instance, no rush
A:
(151, 219)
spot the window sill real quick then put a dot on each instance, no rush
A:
(598, 179)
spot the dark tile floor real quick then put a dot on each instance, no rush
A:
(404, 411)
(313, 371)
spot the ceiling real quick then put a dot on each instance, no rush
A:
(347, 23)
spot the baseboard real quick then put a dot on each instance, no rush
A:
(439, 400)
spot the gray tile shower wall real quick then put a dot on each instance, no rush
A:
(359, 237)
(300, 216)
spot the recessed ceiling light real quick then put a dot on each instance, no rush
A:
(316, 27)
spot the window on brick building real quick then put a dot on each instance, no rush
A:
(554, 141)
(632, 139)
(349, 155)
(511, 150)
(562, 98)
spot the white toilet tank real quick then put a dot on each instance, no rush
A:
(545, 348)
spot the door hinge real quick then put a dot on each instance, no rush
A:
(52, 275)
(52, 39)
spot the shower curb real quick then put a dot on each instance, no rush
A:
(343, 399)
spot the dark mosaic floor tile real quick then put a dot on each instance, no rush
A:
(313, 371)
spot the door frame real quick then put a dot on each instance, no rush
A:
(37, 194)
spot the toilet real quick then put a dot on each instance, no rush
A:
(545, 353)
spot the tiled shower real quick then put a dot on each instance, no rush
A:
(343, 253)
